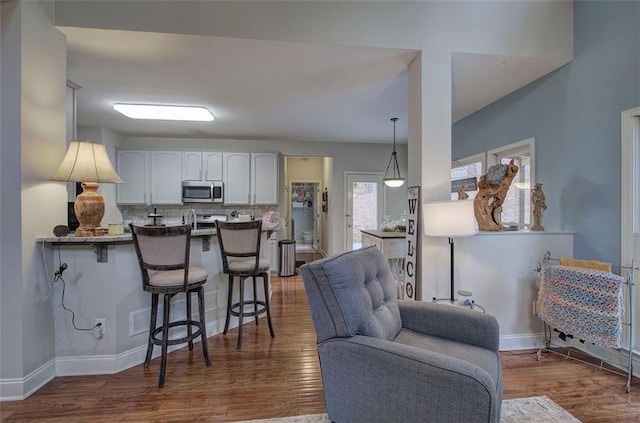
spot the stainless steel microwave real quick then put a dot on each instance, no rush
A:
(202, 192)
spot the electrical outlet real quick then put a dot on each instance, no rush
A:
(100, 328)
(535, 308)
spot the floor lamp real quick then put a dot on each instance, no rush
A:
(449, 219)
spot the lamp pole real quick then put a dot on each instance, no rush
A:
(452, 260)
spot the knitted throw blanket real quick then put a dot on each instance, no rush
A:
(584, 303)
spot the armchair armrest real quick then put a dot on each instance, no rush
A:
(368, 379)
(450, 322)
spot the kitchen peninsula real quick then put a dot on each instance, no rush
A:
(110, 289)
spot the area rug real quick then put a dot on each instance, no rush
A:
(521, 410)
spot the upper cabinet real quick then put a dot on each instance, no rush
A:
(264, 178)
(197, 166)
(166, 177)
(237, 178)
(133, 168)
(212, 162)
(149, 177)
(250, 178)
(191, 166)
(155, 177)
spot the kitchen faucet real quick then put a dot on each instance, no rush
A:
(192, 215)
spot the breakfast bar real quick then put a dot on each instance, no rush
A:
(100, 244)
(109, 288)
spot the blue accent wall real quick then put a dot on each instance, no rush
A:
(574, 114)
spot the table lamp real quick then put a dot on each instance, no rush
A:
(87, 162)
(449, 219)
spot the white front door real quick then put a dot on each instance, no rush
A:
(364, 205)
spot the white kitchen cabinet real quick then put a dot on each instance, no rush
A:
(202, 166)
(212, 163)
(133, 168)
(166, 177)
(191, 166)
(250, 178)
(237, 178)
(264, 178)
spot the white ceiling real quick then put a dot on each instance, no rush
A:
(268, 90)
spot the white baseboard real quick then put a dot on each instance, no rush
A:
(20, 388)
(525, 341)
(16, 389)
(110, 364)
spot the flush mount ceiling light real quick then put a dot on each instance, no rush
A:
(394, 180)
(163, 112)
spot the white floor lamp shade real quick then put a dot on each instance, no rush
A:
(449, 219)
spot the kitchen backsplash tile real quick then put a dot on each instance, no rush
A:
(173, 214)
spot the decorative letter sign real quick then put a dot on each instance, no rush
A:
(411, 258)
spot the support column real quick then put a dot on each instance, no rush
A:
(429, 147)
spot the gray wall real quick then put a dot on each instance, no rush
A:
(33, 145)
(574, 113)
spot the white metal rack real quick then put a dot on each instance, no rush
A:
(546, 343)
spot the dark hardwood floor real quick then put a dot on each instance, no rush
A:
(281, 377)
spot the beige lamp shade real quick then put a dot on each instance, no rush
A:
(449, 218)
(86, 161)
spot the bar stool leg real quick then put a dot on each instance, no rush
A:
(152, 327)
(165, 339)
(241, 312)
(203, 327)
(189, 328)
(265, 280)
(255, 299)
(229, 298)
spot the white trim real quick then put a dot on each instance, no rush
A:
(110, 364)
(20, 388)
(16, 389)
(629, 191)
(524, 341)
(628, 185)
(526, 144)
(480, 157)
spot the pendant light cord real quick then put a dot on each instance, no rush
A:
(393, 158)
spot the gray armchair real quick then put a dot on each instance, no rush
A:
(388, 360)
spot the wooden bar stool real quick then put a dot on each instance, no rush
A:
(165, 251)
(240, 249)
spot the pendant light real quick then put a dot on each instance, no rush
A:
(395, 180)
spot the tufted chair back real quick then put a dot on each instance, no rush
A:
(352, 294)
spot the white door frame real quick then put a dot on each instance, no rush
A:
(318, 241)
(630, 196)
(347, 220)
(630, 187)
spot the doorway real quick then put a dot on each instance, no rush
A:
(306, 179)
(305, 216)
(364, 205)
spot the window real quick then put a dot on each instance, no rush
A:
(469, 167)
(516, 209)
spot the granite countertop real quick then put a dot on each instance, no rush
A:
(107, 239)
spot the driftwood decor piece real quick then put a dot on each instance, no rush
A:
(492, 189)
